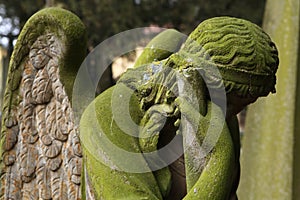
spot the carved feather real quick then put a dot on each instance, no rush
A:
(41, 155)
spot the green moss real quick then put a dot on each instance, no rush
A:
(111, 181)
(67, 27)
(216, 179)
(161, 47)
(241, 51)
(213, 176)
(70, 31)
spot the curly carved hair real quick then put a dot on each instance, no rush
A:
(243, 53)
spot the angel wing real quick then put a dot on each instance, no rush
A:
(41, 155)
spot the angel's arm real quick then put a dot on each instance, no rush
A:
(161, 47)
(214, 179)
(114, 164)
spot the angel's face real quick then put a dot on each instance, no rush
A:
(236, 104)
(231, 103)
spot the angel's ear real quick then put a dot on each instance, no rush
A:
(41, 156)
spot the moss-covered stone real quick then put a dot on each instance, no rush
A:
(160, 47)
(53, 40)
(163, 99)
(67, 27)
(101, 139)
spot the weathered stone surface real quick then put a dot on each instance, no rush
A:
(154, 103)
(38, 157)
(178, 97)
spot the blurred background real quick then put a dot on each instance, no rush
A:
(105, 18)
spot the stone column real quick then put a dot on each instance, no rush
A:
(270, 160)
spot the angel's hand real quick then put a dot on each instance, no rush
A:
(186, 110)
(152, 123)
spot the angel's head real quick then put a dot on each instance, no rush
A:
(234, 53)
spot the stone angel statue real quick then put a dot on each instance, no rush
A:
(166, 130)
(41, 156)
